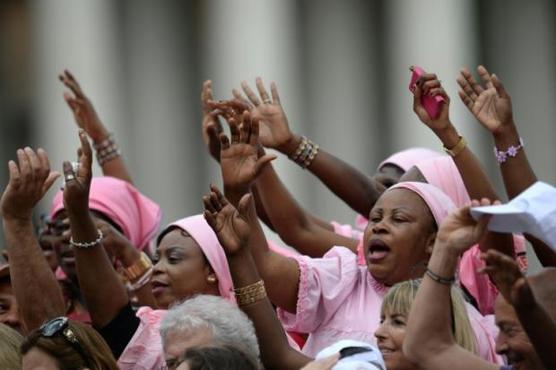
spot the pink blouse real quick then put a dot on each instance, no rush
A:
(339, 299)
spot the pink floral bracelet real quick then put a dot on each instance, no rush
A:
(502, 156)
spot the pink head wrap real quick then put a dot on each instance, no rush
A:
(443, 173)
(405, 159)
(199, 229)
(136, 215)
(438, 202)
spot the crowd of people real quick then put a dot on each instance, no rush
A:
(417, 282)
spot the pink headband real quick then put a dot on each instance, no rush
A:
(136, 215)
(439, 203)
(405, 159)
(199, 229)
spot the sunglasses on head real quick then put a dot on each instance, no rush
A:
(60, 326)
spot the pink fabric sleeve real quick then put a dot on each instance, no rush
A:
(479, 285)
(144, 350)
(485, 335)
(346, 230)
(324, 283)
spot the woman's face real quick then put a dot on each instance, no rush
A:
(399, 237)
(37, 359)
(390, 336)
(180, 270)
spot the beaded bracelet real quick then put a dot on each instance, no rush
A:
(86, 245)
(305, 153)
(440, 279)
(250, 294)
(107, 150)
(502, 156)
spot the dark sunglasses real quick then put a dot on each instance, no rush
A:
(60, 325)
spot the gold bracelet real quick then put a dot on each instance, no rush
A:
(458, 148)
(250, 294)
(139, 267)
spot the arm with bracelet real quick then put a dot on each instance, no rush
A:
(363, 191)
(107, 151)
(477, 183)
(429, 341)
(492, 107)
(232, 227)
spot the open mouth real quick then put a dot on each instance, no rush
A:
(378, 250)
(158, 287)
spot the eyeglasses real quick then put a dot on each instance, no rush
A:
(60, 325)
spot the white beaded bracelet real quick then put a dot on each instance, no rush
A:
(88, 244)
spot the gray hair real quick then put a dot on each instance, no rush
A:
(228, 324)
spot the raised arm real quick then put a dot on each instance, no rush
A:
(363, 191)
(476, 181)
(232, 228)
(36, 289)
(105, 300)
(538, 324)
(240, 166)
(86, 118)
(492, 107)
(429, 341)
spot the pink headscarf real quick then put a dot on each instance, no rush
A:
(199, 229)
(407, 158)
(443, 173)
(137, 216)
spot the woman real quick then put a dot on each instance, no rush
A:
(233, 229)
(333, 298)
(64, 344)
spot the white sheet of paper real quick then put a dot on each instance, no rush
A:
(532, 212)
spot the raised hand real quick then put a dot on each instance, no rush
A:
(29, 180)
(239, 158)
(459, 230)
(231, 225)
(431, 85)
(275, 131)
(76, 190)
(82, 108)
(490, 104)
(507, 276)
(211, 125)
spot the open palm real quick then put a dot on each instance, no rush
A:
(230, 225)
(239, 164)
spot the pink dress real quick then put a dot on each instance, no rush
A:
(339, 299)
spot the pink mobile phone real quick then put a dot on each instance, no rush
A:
(432, 104)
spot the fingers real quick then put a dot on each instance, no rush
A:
(206, 95)
(24, 166)
(237, 95)
(485, 76)
(254, 136)
(86, 156)
(244, 205)
(471, 87)
(235, 132)
(50, 180)
(250, 94)
(15, 176)
(36, 167)
(221, 198)
(71, 83)
(499, 87)
(274, 92)
(262, 91)
(466, 99)
(69, 175)
(224, 142)
(263, 161)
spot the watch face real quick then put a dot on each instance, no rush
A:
(54, 326)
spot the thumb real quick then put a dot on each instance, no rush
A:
(499, 87)
(52, 177)
(244, 205)
(263, 161)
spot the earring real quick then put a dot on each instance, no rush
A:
(211, 279)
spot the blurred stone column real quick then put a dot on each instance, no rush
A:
(82, 36)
